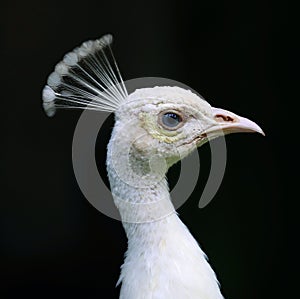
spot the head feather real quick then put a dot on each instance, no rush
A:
(87, 78)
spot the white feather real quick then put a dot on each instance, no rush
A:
(87, 78)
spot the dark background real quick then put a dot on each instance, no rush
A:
(241, 56)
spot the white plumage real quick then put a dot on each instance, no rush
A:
(154, 128)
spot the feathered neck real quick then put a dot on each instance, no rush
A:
(140, 192)
(163, 260)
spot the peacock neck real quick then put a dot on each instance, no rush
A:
(163, 260)
(138, 185)
(140, 206)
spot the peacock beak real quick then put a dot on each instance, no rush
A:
(229, 122)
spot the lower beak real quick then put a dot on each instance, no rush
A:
(229, 122)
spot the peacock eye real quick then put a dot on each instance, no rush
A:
(171, 120)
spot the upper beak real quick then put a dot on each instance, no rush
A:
(229, 122)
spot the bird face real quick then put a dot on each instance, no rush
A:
(173, 121)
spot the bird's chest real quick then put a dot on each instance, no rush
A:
(154, 274)
(165, 263)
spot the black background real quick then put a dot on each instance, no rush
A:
(241, 56)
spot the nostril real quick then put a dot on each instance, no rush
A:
(224, 117)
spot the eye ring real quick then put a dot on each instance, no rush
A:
(170, 120)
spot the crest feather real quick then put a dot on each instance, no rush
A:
(87, 78)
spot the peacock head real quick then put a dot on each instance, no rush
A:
(163, 122)
(170, 122)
